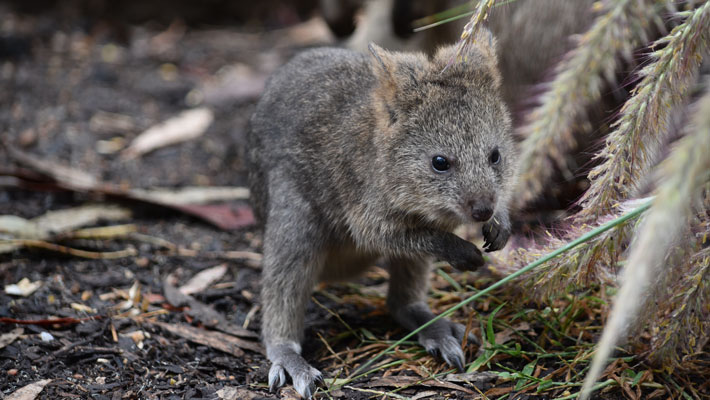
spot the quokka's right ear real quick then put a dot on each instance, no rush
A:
(382, 61)
(394, 71)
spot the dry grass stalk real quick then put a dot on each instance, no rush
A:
(644, 117)
(685, 173)
(682, 324)
(578, 268)
(468, 36)
(621, 27)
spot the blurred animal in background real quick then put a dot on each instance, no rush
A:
(532, 35)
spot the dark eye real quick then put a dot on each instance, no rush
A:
(494, 157)
(440, 164)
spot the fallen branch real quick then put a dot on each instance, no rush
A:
(57, 177)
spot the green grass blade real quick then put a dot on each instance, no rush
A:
(362, 370)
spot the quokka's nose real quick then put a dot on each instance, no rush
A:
(481, 213)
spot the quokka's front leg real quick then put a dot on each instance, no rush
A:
(291, 266)
(406, 299)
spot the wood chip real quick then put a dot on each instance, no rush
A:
(234, 393)
(9, 337)
(30, 391)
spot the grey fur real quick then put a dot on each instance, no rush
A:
(340, 151)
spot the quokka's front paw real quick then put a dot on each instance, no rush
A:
(496, 233)
(286, 361)
(465, 256)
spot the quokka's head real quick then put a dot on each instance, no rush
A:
(444, 148)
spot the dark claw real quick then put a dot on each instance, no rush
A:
(458, 364)
(495, 234)
(434, 352)
(277, 378)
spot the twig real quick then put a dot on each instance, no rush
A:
(51, 321)
(95, 255)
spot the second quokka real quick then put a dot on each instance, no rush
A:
(360, 157)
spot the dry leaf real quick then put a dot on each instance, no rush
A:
(505, 335)
(83, 308)
(23, 288)
(424, 395)
(78, 179)
(223, 216)
(186, 126)
(19, 227)
(192, 195)
(498, 391)
(204, 279)
(57, 222)
(54, 223)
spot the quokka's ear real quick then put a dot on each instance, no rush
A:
(382, 61)
(396, 71)
(479, 55)
(397, 75)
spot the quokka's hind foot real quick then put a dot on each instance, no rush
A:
(286, 360)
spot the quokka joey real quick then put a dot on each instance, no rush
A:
(358, 157)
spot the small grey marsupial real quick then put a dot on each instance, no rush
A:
(357, 157)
